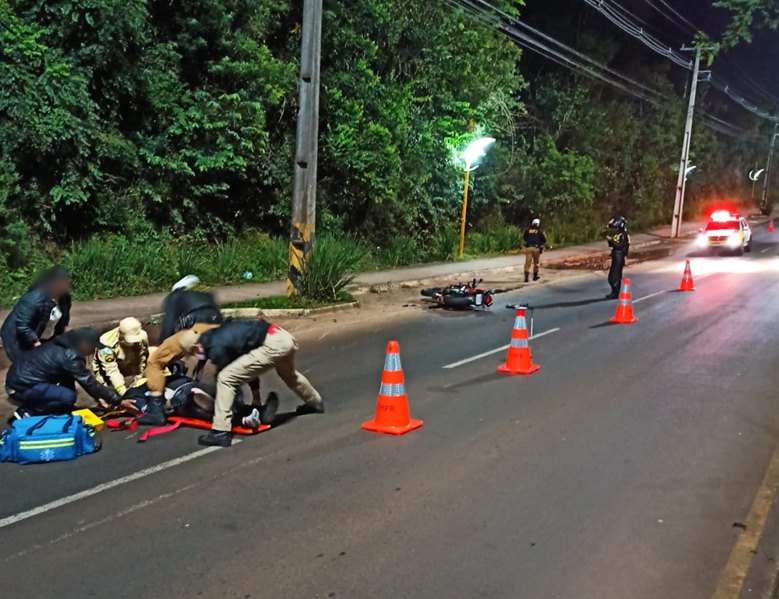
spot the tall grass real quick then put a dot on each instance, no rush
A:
(330, 269)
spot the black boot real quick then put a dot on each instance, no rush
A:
(155, 412)
(216, 439)
(269, 409)
(311, 408)
(527, 277)
(535, 276)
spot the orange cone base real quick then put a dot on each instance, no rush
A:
(683, 288)
(616, 320)
(375, 427)
(529, 370)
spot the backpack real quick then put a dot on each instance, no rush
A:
(47, 439)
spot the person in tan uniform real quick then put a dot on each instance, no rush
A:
(124, 355)
(175, 347)
(242, 350)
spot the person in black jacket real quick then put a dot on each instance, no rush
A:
(619, 242)
(42, 313)
(534, 239)
(242, 350)
(184, 307)
(43, 380)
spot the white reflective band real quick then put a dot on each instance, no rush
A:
(392, 390)
(519, 343)
(519, 322)
(624, 302)
(392, 363)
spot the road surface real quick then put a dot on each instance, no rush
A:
(616, 472)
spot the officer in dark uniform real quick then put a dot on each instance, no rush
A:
(184, 307)
(619, 242)
(534, 240)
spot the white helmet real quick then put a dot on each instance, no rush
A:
(536, 222)
(187, 282)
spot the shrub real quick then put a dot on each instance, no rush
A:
(400, 251)
(330, 267)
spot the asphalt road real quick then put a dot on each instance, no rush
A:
(616, 472)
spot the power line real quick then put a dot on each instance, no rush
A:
(611, 12)
(506, 24)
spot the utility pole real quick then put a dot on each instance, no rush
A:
(301, 237)
(768, 165)
(676, 223)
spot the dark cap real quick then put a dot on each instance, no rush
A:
(88, 335)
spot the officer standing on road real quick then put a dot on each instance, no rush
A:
(534, 240)
(619, 242)
(42, 313)
(242, 350)
(184, 307)
(43, 380)
(124, 354)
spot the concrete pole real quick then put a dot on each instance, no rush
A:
(301, 238)
(676, 223)
(768, 165)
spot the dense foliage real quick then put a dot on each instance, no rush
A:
(170, 124)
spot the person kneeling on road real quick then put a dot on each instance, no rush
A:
(173, 348)
(242, 350)
(43, 380)
(124, 355)
(42, 313)
(535, 240)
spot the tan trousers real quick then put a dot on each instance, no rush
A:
(278, 352)
(532, 257)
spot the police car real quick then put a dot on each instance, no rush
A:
(726, 231)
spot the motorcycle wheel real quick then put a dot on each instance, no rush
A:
(430, 292)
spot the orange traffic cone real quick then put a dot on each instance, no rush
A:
(519, 360)
(771, 226)
(392, 415)
(624, 313)
(687, 284)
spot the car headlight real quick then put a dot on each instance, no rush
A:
(734, 240)
(702, 240)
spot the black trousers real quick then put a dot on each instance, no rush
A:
(615, 272)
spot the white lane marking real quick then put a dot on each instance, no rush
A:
(650, 296)
(63, 501)
(765, 250)
(496, 350)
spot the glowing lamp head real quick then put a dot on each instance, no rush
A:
(475, 150)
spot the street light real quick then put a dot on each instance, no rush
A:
(475, 150)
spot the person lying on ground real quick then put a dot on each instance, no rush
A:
(184, 307)
(42, 313)
(43, 380)
(124, 355)
(171, 349)
(242, 350)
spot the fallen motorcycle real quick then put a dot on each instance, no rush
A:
(460, 296)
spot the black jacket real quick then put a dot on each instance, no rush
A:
(58, 363)
(183, 308)
(619, 243)
(534, 237)
(233, 339)
(28, 319)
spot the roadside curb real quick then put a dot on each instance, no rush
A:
(286, 312)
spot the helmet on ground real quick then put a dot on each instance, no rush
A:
(536, 222)
(618, 222)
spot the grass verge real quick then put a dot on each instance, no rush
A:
(282, 302)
